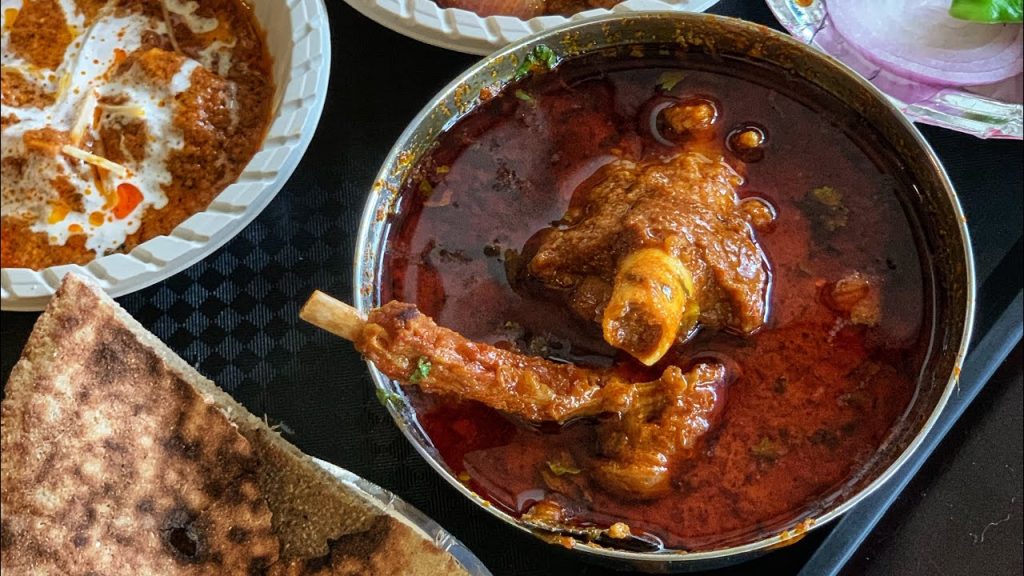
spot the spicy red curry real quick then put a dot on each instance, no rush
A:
(809, 396)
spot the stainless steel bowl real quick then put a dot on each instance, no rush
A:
(934, 205)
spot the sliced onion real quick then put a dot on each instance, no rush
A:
(919, 40)
(652, 122)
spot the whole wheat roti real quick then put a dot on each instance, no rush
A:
(113, 463)
(119, 458)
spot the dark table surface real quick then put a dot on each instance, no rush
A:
(234, 316)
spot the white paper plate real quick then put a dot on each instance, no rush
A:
(410, 516)
(464, 31)
(298, 38)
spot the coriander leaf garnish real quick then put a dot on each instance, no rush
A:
(421, 371)
(765, 450)
(540, 57)
(523, 95)
(668, 79)
(560, 469)
(828, 195)
(386, 396)
(824, 205)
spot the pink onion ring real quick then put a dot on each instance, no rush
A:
(919, 40)
(652, 119)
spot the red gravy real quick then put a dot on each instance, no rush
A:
(811, 396)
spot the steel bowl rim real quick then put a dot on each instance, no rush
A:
(369, 219)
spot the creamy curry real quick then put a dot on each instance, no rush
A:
(121, 119)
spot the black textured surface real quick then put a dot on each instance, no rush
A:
(234, 316)
(962, 513)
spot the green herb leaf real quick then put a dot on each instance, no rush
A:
(668, 79)
(825, 205)
(522, 95)
(524, 68)
(988, 11)
(546, 56)
(828, 196)
(385, 396)
(825, 437)
(765, 449)
(540, 57)
(421, 371)
(560, 469)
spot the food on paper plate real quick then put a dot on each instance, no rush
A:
(669, 302)
(119, 458)
(526, 9)
(122, 119)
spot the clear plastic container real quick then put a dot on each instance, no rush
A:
(404, 512)
(991, 111)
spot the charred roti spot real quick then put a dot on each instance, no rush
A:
(153, 365)
(182, 447)
(184, 541)
(315, 565)
(230, 456)
(6, 535)
(360, 547)
(45, 468)
(259, 566)
(238, 535)
(181, 534)
(115, 446)
(217, 490)
(69, 322)
(107, 360)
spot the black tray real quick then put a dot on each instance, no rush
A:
(234, 315)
